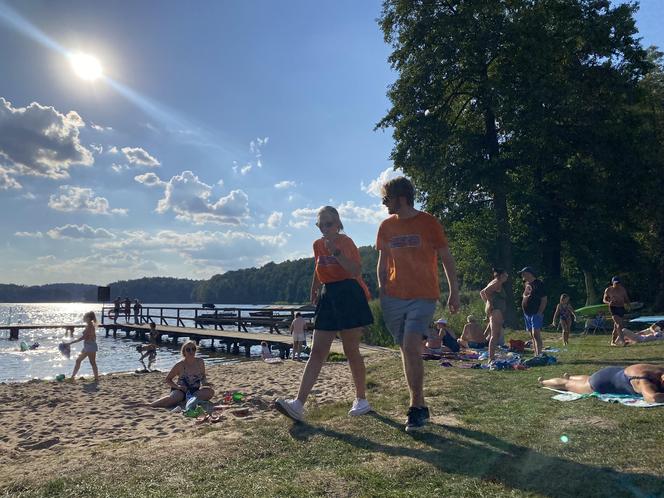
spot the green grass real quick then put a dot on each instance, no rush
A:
(494, 434)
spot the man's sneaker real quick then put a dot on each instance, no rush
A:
(292, 408)
(417, 418)
(360, 407)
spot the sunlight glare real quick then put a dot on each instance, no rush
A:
(86, 66)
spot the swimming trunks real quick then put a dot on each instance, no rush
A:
(613, 380)
(617, 311)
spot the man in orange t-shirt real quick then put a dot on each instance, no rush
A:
(409, 244)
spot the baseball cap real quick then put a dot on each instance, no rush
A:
(528, 269)
(615, 280)
(441, 321)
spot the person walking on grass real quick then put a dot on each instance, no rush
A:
(533, 304)
(341, 299)
(566, 316)
(90, 347)
(618, 300)
(409, 244)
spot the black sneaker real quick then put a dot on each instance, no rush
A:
(417, 418)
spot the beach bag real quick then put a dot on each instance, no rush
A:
(517, 345)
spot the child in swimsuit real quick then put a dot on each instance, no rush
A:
(565, 313)
(150, 350)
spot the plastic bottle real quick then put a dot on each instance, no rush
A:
(238, 396)
(192, 402)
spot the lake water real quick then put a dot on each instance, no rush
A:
(114, 355)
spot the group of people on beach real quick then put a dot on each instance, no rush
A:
(410, 244)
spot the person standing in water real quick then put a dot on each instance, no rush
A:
(90, 348)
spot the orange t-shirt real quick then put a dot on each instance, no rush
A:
(411, 247)
(329, 270)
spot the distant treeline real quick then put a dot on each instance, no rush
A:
(289, 281)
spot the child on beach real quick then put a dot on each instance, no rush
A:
(90, 348)
(297, 331)
(150, 350)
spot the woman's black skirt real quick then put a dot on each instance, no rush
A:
(342, 305)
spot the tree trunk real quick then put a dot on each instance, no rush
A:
(500, 210)
(591, 294)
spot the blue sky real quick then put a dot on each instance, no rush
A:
(218, 130)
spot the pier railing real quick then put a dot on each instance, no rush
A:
(274, 317)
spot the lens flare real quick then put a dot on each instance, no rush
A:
(86, 66)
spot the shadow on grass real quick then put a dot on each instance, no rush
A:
(480, 455)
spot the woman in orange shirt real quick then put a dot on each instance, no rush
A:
(341, 299)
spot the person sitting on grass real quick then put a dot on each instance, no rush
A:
(472, 335)
(150, 350)
(644, 379)
(652, 333)
(190, 372)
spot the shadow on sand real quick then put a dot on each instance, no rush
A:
(482, 456)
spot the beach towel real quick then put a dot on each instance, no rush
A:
(623, 399)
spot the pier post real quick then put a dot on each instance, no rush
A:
(13, 334)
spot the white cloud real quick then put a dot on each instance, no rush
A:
(189, 199)
(7, 181)
(39, 140)
(285, 184)
(348, 211)
(79, 232)
(274, 220)
(97, 127)
(140, 157)
(29, 196)
(150, 179)
(97, 148)
(374, 187)
(245, 169)
(81, 199)
(36, 235)
(119, 168)
(113, 150)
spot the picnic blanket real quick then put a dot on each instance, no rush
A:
(623, 399)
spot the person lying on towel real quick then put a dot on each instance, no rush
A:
(640, 379)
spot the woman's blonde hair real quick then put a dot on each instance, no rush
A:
(563, 297)
(331, 210)
(90, 315)
(186, 345)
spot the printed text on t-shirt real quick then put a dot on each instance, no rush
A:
(400, 241)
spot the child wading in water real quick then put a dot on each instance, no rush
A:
(564, 312)
(150, 350)
(90, 348)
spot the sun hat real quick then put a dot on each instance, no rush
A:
(441, 321)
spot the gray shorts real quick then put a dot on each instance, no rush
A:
(407, 316)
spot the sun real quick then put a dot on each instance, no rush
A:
(86, 66)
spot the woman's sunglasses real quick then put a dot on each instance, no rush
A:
(189, 350)
(327, 224)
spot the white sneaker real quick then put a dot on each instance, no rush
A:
(292, 408)
(360, 407)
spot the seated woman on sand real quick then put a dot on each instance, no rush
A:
(190, 372)
(644, 379)
(652, 333)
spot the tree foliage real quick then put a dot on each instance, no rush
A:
(523, 126)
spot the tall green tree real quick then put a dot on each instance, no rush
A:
(518, 109)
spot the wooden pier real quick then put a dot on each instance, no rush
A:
(15, 328)
(229, 327)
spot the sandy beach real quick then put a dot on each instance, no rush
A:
(49, 425)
